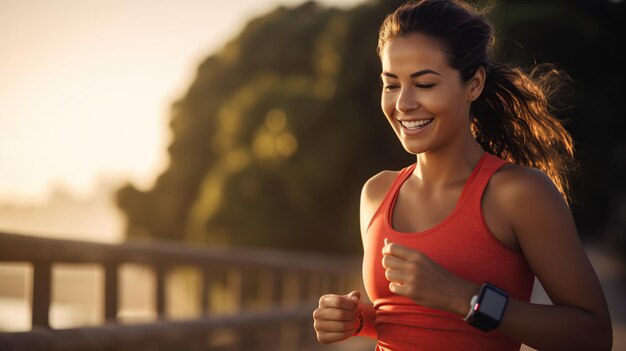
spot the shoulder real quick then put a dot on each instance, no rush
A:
(378, 185)
(373, 193)
(526, 194)
(522, 183)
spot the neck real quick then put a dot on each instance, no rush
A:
(449, 164)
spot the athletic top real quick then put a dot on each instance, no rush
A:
(462, 244)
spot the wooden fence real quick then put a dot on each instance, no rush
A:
(284, 322)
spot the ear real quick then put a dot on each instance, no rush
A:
(476, 84)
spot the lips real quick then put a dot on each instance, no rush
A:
(415, 127)
(415, 124)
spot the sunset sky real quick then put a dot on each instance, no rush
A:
(86, 85)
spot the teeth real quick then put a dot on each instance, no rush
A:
(415, 124)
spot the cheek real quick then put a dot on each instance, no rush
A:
(387, 104)
(444, 102)
(435, 104)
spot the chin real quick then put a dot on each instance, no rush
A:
(415, 145)
(414, 149)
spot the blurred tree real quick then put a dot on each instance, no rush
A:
(280, 129)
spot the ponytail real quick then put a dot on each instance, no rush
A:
(513, 120)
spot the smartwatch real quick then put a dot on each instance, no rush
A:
(487, 308)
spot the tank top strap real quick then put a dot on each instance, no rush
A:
(397, 183)
(491, 164)
(402, 175)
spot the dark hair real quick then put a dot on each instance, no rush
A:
(512, 118)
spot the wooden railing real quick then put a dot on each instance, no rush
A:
(285, 322)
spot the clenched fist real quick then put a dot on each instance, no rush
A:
(337, 317)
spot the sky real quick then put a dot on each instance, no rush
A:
(86, 86)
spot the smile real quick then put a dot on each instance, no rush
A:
(412, 125)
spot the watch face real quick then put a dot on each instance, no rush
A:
(492, 304)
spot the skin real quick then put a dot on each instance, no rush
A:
(522, 207)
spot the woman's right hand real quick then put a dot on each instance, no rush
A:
(337, 317)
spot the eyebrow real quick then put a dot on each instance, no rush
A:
(413, 75)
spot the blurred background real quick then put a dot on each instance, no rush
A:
(252, 123)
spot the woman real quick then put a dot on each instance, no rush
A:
(453, 242)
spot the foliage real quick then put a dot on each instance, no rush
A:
(280, 129)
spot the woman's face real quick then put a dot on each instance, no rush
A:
(423, 98)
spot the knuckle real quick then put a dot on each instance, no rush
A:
(412, 267)
(328, 300)
(412, 286)
(344, 315)
(416, 258)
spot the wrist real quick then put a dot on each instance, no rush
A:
(360, 322)
(369, 321)
(461, 305)
(487, 308)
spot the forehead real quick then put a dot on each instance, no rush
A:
(413, 51)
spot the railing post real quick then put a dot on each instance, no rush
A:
(305, 332)
(315, 286)
(205, 290)
(270, 295)
(241, 287)
(42, 284)
(234, 281)
(160, 272)
(335, 284)
(325, 284)
(277, 288)
(111, 292)
(234, 287)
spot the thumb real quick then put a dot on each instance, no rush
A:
(355, 296)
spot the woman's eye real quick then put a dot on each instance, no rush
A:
(392, 87)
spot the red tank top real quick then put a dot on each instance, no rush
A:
(462, 244)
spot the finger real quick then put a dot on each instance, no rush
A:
(394, 262)
(334, 326)
(396, 276)
(328, 337)
(403, 252)
(354, 296)
(398, 288)
(333, 314)
(338, 301)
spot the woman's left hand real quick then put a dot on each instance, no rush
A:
(414, 275)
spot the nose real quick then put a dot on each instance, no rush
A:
(406, 101)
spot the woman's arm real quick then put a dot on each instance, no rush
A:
(372, 195)
(545, 230)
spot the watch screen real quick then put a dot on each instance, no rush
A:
(492, 304)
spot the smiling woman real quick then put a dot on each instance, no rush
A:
(412, 99)
(453, 242)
